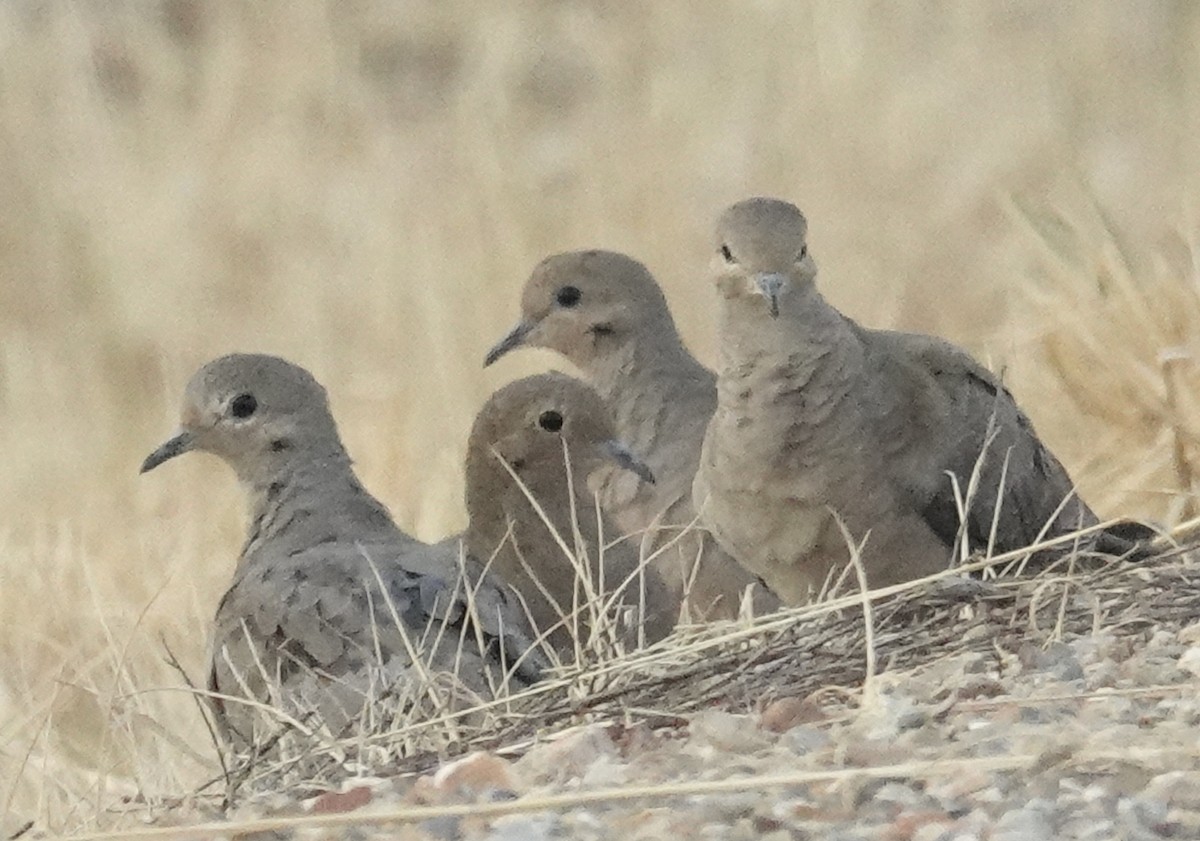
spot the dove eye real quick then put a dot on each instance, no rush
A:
(568, 296)
(803, 253)
(550, 421)
(727, 254)
(243, 406)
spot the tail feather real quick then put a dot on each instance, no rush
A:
(1132, 540)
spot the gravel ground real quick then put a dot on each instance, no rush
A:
(1095, 738)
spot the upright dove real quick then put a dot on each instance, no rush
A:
(819, 419)
(606, 314)
(533, 518)
(330, 602)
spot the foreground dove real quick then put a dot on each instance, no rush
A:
(543, 534)
(330, 601)
(819, 419)
(605, 313)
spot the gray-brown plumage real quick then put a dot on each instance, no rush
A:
(605, 313)
(330, 600)
(532, 429)
(817, 414)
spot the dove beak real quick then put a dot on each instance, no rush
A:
(619, 452)
(770, 285)
(512, 341)
(178, 445)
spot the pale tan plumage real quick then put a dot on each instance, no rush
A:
(305, 623)
(534, 428)
(817, 414)
(605, 313)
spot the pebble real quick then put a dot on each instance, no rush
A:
(728, 732)
(477, 774)
(783, 714)
(1086, 765)
(567, 757)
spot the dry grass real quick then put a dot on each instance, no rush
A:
(811, 651)
(363, 187)
(824, 653)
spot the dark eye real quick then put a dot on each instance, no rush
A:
(550, 421)
(803, 253)
(568, 296)
(727, 254)
(243, 406)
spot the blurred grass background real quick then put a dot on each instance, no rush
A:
(362, 187)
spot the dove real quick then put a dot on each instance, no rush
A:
(828, 433)
(330, 600)
(606, 314)
(533, 519)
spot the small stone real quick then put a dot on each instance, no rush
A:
(604, 773)
(334, 802)
(1178, 789)
(1143, 818)
(567, 757)
(969, 785)
(634, 739)
(783, 714)
(444, 827)
(1190, 661)
(804, 739)
(475, 774)
(979, 686)
(887, 715)
(899, 794)
(1057, 659)
(913, 825)
(869, 752)
(727, 732)
(1102, 676)
(1189, 635)
(775, 835)
(538, 827)
(935, 831)
(1030, 822)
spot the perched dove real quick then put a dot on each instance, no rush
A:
(606, 314)
(543, 534)
(818, 416)
(330, 600)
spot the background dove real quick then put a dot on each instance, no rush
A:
(534, 428)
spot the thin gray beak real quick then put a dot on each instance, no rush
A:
(770, 284)
(180, 444)
(618, 452)
(514, 339)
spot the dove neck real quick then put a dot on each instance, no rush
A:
(290, 462)
(797, 367)
(502, 515)
(806, 328)
(631, 379)
(299, 502)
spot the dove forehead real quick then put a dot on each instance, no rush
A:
(514, 403)
(597, 272)
(271, 379)
(762, 227)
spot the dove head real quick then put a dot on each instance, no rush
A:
(526, 424)
(762, 253)
(257, 413)
(586, 305)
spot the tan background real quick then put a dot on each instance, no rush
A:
(363, 186)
